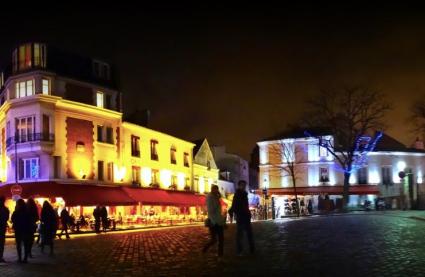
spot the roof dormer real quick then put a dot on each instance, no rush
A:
(28, 56)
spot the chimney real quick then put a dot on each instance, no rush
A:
(419, 144)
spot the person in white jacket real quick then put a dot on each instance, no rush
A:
(216, 220)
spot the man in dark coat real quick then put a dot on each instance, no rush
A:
(97, 217)
(4, 217)
(240, 209)
(65, 220)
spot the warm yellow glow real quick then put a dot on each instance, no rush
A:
(181, 181)
(210, 183)
(81, 167)
(146, 176)
(165, 176)
(119, 173)
(201, 184)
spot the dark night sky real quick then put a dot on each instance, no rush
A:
(239, 74)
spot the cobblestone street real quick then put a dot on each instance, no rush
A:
(374, 244)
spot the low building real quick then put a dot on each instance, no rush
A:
(205, 171)
(319, 177)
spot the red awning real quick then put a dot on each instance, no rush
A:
(149, 196)
(333, 190)
(74, 194)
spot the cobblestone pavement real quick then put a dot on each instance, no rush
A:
(371, 244)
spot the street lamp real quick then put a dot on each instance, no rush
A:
(265, 198)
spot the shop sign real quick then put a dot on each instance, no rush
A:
(16, 190)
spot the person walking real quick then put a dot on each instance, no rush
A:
(241, 211)
(4, 217)
(65, 220)
(49, 226)
(104, 218)
(216, 221)
(34, 218)
(22, 226)
(97, 217)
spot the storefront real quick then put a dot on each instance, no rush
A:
(127, 207)
(317, 199)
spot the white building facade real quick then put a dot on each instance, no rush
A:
(319, 176)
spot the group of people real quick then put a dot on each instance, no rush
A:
(24, 219)
(100, 215)
(216, 221)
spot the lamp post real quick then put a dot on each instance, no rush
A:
(265, 199)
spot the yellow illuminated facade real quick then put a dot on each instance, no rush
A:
(205, 171)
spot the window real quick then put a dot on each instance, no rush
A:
(135, 150)
(99, 133)
(174, 180)
(24, 89)
(135, 174)
(100, 99)
(386, 176)
(155, 177)
(29, 168)
(154, 151)
(109, 136)
(56, 166)
(45, 86)
(323, 151)
(46, 127)
(110, 172)
(186, 159)
(15, 61)
(362, 176)
(173, 155)
(105, 134)
(25, 129)
(324, 174)
(208, 165)
(101, 70)
(100, 170)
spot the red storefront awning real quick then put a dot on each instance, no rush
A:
(73, 194)
(332, 190)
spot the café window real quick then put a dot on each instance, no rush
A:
(29, 168)
(24, 88)
(25, 128)
(45, 83)
(135, 148)
(324, 174)
(186, 159)
(362, 176)
(173, 155)
(154, 150)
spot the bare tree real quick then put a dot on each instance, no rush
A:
(285, 151)
(417, 117)
(352, 116)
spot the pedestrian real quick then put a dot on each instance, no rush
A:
(104, 218)
(4, 217)
(241, 211)
(216, 221)
(310, 207)
(97, 217)
(22, 226)
(49, 226)
(65, 220)
(34, 218)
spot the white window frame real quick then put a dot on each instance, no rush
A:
(45, 86)
(320, 174)
(24, 88)
(30, 175)
(100, 104)
(25, 133)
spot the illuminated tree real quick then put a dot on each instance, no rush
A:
(285, 152)
(352, 116)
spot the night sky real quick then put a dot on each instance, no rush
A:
(238, 74)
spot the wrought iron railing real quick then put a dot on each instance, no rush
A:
(29, 138)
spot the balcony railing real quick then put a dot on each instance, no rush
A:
(29, 138)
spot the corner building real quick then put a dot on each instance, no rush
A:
(63, 139)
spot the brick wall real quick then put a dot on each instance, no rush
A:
(79, 131)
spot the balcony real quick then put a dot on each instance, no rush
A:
(36, 137)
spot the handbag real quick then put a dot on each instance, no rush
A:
(207, 223)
